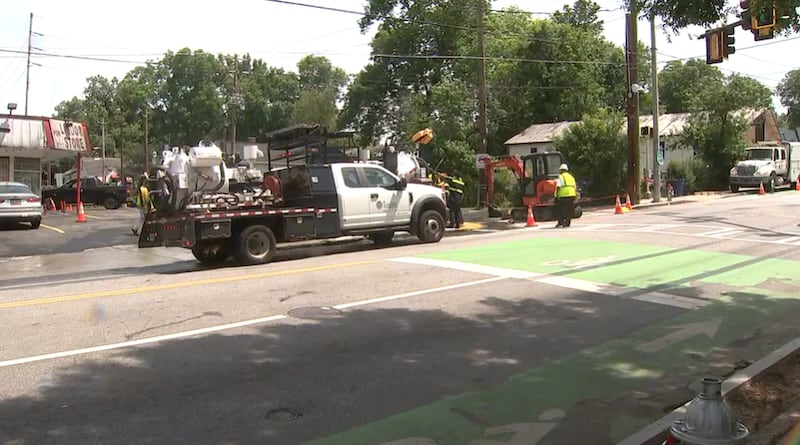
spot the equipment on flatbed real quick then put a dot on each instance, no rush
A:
(537, 175)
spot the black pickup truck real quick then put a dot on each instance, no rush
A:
(109, 196)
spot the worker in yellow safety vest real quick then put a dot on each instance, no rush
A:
(141, 200)
(455, 194)
(566, 192)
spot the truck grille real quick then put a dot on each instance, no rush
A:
(746, 170)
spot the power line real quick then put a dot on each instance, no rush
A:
(71, 56)
(499, 59)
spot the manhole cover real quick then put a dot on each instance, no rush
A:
(315, 313)
(283, 415)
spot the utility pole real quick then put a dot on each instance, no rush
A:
(146, 141)
(482, 198)
(631, 47)
(28, 71)
(103, 145)
(234, 103)
(654, 91)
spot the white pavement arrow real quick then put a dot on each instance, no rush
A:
(684, 332)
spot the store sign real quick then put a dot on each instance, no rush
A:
(68, 135)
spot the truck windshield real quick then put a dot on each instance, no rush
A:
(761, 154)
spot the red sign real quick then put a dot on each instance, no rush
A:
(72, 136)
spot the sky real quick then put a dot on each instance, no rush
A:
(280, 34)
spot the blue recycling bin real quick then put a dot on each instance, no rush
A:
(679, 186)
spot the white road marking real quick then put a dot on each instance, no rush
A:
(416, 293)
(564, 282)
(718, 233)
(140, 342)
(229, 326)
(672, 300)
(468, 267)
(653, 228)
(581, 285)
(791, 240)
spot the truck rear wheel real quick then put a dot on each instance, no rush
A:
(111, 203)
(255, 245)
(430, 227)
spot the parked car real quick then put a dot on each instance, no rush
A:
(92, 192)
(19, 204)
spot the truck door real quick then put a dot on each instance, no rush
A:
(354, 199)
(386, 206)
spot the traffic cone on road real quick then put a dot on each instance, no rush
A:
(618, 207)
(628, 204)
(81, 214)
(761, 189)
(797, 185)
(531, 221)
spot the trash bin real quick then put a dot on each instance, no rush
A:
(679, 185)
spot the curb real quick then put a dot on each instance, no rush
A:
(655, 433)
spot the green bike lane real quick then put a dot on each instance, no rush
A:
(611, 390)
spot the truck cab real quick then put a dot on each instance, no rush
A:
(771, 164)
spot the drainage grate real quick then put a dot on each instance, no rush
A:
(283, 415)
(315, 312)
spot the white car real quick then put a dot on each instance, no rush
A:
(19, 204)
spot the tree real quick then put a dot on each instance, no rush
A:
(679, 14)
(789, 92)
(716, 132)
(582, 14)
(596, 151)
(683, 87)
(321, 87)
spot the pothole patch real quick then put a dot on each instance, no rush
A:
(283, 415)
(315, 313)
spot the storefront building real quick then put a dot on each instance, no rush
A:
(28, 141)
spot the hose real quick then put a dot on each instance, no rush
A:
(165, 186)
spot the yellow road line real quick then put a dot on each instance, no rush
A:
(54, 229)
(136, 290)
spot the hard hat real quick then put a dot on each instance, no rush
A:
(564, 167)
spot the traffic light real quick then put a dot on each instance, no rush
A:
(764, 22)
(715, 41)
(746, 15)
(728, 41)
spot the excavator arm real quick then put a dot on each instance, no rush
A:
(512, 163)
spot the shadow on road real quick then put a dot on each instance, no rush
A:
(293, 381)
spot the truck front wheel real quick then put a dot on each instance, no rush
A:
(255, 245)
(430, 228)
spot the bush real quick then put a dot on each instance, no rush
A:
(683, 170)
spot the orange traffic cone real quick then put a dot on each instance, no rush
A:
(531, 221)
(797, 185)
(628, 204)
(761, 189)
(81, 214)
(618, 207)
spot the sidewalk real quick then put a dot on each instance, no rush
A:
(478, 219)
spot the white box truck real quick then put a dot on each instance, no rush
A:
(773, 164)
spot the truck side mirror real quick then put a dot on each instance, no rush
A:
(401, 184)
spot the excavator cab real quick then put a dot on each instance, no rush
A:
(539, 179)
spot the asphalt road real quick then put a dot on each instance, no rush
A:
(61, 233)
(529, 336)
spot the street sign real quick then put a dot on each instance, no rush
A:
(481, 159)
(661, 152)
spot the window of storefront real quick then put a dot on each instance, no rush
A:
(5, 168)
(28, 171)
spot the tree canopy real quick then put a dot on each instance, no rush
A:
(789, 92)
